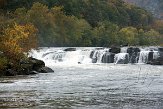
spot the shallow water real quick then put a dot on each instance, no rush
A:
(86, 86)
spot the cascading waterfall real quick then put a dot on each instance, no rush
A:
(53, 56)
(143, 57)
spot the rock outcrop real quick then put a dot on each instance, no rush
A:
(29, 66)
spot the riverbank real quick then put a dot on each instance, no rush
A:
(28, 66)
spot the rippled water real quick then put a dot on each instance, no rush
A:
(89, 86)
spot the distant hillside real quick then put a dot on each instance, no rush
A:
(155, 6)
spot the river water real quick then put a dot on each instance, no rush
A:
(86, 86)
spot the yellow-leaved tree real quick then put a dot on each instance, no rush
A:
(17, 39)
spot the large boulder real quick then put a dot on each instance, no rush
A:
(30, 65)
(150, 56)
(36, 64)
(160, 49)
(108, 57)
(133, 54)
(159, 60)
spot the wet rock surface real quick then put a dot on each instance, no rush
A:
(27, 67)
(70, 49)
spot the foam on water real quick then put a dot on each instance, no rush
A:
(57, 56)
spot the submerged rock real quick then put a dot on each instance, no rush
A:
(45, 70)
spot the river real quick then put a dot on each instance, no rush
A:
(85, 86)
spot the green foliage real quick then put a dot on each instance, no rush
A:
(106, 34)
(129, 35)
(3, 63)
(83, 22)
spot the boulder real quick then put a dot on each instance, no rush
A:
(115, 50)
(158, 61)
(30, 65)
(70, 49)
(150, 56)
(108, 57)
(10, 72)
(133, 54)
(160, 49)
(45, 70)
(36, 64)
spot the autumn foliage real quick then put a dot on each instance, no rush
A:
(17, 39)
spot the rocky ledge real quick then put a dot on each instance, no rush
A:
(27, 67)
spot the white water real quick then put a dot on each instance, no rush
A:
(53, 56)
(84, 85)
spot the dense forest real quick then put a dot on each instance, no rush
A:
(154, 6)
(82, 22)
(25, 24)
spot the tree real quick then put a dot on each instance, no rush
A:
(107, 34)
(129, 35)
(152, 37)
(16, 40)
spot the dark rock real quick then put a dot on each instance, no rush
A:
(94, 60)
(115, 50)
(45, 70)
(108, 58)
(150, 56)
(160, 49)
(92, 53)
(133, 54)
(158, 61)
(30, 65)
(36, 64)
(70, 49)
(10, 72)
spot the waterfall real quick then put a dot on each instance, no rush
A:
(121, 58)
(88, 55)
(143, 57)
